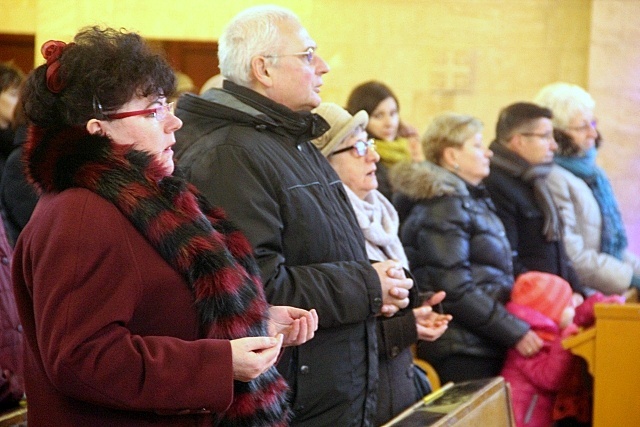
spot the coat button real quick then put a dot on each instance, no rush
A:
(304, 370)
(377, 301)
(410, 372)
(19, 328)
(395, 350)
(5, 260)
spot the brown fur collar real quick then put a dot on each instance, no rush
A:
(425, 180)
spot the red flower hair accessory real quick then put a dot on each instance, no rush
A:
(52, 51)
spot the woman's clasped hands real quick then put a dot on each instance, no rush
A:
(430, 324)
(288, 326)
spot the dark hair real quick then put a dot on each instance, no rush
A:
(566, 146)
(367, 96)
(10, 76)
(19, 117)
(108, 65)
(516, 116)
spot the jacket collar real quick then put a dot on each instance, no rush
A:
(53, 156)
(243, 105)
(60, 158)
(426, 180)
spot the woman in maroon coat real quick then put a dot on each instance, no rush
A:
(141, 304)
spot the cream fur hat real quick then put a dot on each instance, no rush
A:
(342, 124)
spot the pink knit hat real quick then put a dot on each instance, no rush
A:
(547, 293)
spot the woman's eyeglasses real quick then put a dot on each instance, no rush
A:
(159, 113)
(548, 136)
(586, 127)
(361, 148)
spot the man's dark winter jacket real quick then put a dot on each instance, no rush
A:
(523, 221)
(253, 157)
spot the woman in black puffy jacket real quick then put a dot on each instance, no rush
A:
(455, 242)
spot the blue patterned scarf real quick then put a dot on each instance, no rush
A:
(614, 238)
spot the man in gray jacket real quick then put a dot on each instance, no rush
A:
(247, 148)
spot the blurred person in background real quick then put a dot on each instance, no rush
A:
(214, 81)
(455, 242)
(18, 197)
(552, 378)
(11, 78)
(523, 152)
(11, 336)
(184, 84)
(593, 231)
(396, 141)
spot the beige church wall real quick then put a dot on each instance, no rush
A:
(614, 82)
(468, 56)
(471, 56)
(198, 20)
(18, 16)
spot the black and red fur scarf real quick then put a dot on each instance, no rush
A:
(195, 238)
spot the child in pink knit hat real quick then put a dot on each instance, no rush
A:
(545, 302)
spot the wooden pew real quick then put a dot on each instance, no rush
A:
(474, 403)
(14, 417)
(612, 351)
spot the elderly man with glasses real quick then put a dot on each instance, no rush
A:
(523, 151)
(247, 148)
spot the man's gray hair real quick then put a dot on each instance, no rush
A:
(252, 32)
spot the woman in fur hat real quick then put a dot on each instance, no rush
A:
(593, 231)
(141, 303)
(354, 158)
(455, 242)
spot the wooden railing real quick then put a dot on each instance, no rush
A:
(612, 351)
